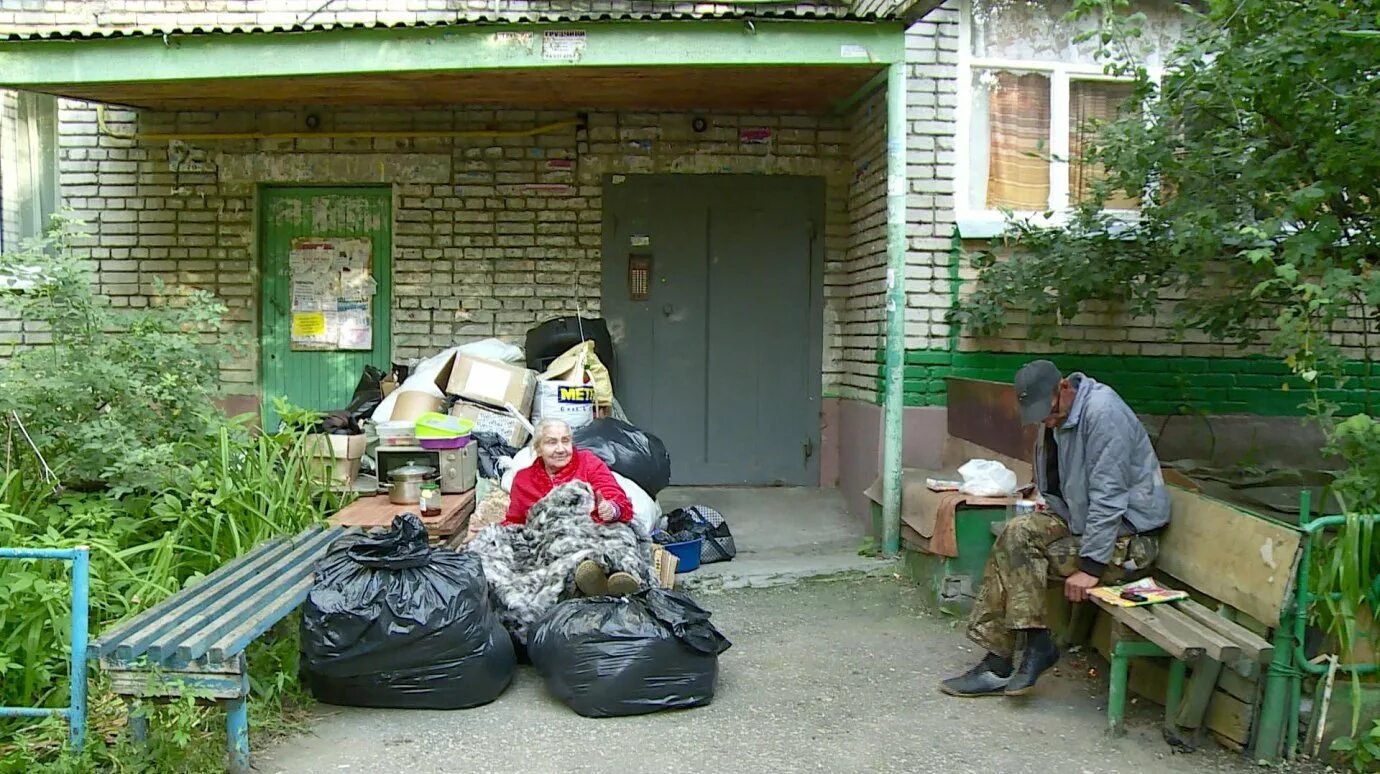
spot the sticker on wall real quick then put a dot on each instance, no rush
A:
(332, 287)
(853, 51)
(562, 45)
(560, 164)
(516, 39)
(641, 240)
(754, 135)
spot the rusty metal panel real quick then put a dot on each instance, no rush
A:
(985, 413)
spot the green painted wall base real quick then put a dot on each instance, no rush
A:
(1152, 385)
(951, 583)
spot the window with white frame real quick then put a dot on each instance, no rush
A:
(1028, 94)
(28, 164)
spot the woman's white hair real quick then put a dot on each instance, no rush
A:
(548, 427)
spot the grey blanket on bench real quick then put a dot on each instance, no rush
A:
(532, 567)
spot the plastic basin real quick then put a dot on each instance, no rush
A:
(687, 554)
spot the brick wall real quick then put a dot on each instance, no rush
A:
(931, 99)
(860, 331)
(490, 235)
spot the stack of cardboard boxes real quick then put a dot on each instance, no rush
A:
(496, 397)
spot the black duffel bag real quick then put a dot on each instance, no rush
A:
(392, 622)
(615, 656)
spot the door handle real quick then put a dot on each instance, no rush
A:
(666, 310)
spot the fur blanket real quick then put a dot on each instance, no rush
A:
(532, 567)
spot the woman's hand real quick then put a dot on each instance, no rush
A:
(607, 513)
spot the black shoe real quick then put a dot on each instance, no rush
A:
(1040, 654)
(988, 678)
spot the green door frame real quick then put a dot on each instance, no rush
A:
(269, 337)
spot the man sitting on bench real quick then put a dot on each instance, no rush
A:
(1105, 504)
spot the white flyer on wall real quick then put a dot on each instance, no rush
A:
(332, 288)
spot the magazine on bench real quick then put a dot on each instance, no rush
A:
(1142, 592)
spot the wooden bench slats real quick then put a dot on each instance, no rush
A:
(1216, 647)
(1252, 646)
(255, 606)
(1144, 621)
(106, 643)
(227, 610)
(137, 642)
(237, 639)
(191, 621)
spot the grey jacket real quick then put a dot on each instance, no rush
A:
(1110, 481)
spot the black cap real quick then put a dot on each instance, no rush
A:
(1036, 383)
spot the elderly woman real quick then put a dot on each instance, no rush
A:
(568, 531)
(559, 462)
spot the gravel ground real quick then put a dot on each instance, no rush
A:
(822, 677)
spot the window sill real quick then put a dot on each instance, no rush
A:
(986, 224)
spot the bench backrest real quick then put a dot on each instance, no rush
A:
(984, 422)
(1234, 556)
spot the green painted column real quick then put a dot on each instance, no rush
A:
(893, 389)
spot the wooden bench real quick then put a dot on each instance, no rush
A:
(193, 642)
(1243, 564)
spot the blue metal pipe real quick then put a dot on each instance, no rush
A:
(75, 711)
(41, 553)
(32, 712)
(81, 579)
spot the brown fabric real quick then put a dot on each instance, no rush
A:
(1018, 152)
(943, 537)
(1093, 101)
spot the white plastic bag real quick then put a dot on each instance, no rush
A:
(987, 478)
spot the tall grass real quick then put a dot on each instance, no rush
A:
(144, 547)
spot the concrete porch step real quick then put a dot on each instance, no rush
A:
(767, 572)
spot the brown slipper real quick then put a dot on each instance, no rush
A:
(591, 580)
(622, 584)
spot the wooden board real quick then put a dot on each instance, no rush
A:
(1243, 560)
(806, 88)
(369, 512)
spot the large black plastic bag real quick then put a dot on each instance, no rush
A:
(392, 622)
(615, 656)
(630, 452)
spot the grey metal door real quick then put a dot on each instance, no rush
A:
(720, 356)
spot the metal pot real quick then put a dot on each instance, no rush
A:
(405, 483)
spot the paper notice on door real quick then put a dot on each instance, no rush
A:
(562, 45)
(487, 380)
(356, 285)
(355, 329)
(308, 325)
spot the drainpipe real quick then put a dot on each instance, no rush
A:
(893, 403)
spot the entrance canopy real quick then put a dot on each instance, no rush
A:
(766, 64)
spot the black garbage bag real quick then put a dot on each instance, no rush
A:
(615, 656)
(701, 521)
(630, 452)
(491, 449)
(392, 622)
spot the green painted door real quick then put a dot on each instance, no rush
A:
(320, 380)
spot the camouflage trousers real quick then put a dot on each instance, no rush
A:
(1033, 549)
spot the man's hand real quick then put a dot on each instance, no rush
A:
(606, 510)
(1077, 585)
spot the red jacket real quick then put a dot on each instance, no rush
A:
(533, 483)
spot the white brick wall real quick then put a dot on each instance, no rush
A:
(931, 101)
(863, 323)
(490, 236)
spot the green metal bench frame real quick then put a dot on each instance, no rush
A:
(193, 642)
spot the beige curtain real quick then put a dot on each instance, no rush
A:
(1018, 152)
(1088, 101)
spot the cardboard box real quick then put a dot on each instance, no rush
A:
(338, 455)
(664, 563)
(492, 383)
(487, 420)
(414, 403)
